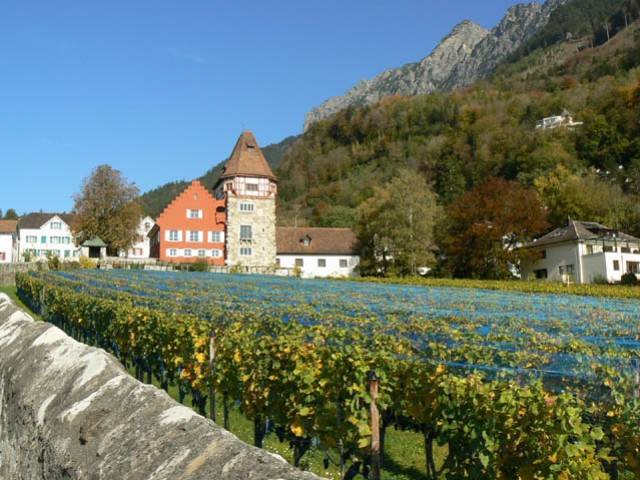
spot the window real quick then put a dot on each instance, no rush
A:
(278, 262)
(306, 241)
(216, 237)
(56, 225)
(633, 267)
(187, 252)
(245, 251)
(247, 207)
(299, 262)
(215, 253)
(173, 235)
(43, 239)
(173, 252)
(616, 265)
(322, 262)
(67, 253)
(541, 274)
(589, 249)
(252, 187)
(147, 226)
(202, 253)
(32, 239)
(194, 213)
(566, 270)
(3, 256)
(245, 232)
(543, 254)
(344, 263)
(194, 236)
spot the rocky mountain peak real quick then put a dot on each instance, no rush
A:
(468, 53)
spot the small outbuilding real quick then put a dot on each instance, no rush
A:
(94, 248)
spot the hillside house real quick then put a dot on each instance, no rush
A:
(44, 234)
(8, 241)
(317, 252)
(583, 252)
(564, 120)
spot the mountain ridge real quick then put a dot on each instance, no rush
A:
(467, 54)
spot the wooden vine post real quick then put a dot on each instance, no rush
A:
(212, 372)
(374, 384)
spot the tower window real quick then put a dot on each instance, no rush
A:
(252, 187)
(245, 251)
(247, 207)
(245, 232)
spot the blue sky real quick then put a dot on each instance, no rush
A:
(161, 89)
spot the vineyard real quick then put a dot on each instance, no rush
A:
(507, 384)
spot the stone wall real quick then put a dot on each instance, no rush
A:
(8, 272)
(69, 411)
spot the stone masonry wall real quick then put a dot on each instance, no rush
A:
(263, 222)
(69, 411)
(8, 272)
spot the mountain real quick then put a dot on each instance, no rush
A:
(467, 54)
(154, 201)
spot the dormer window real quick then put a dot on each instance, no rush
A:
(306, 241)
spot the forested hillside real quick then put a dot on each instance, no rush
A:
(458, 140)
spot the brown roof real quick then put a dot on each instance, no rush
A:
(36, 220)
(8, 226)
(575, 231)
(319, 241)
(247, 159)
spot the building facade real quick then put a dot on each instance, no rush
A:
(142, 247)
(41, 235)
(8, 241)
(236, 225)
(248, 188)
(583, 252)
(190, 229)
(317, 252)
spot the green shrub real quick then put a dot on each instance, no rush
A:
(629, 279)
(199, 266)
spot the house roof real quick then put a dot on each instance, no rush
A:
(576, 231)
(38, 219)
(95, 242)
(247, 159)
(8, 226)
(320, 241)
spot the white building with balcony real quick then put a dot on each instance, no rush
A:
(564, 120)
(41, 235)
(583, 252)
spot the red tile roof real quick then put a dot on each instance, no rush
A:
(247, 159)
(8, 226)
(316, 241)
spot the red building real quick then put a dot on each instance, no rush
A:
(191, 228)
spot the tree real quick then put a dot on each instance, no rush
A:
(488, 224)
(11, 214)
(395, 226)
(107, 207)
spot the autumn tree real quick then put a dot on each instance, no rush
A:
(395, 226)
(107, 207)
(486, 226)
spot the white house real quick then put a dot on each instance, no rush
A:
(141, 249)
(317, 252)
(8, 241)
(583, 252)
(43, 234)
(564, 120)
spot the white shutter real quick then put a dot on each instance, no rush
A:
(201, 236)
(200, 214)
(179, 235)
(167, 235)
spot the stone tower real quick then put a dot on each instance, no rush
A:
(249, 188)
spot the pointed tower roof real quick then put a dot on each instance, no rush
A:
(247, 159)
